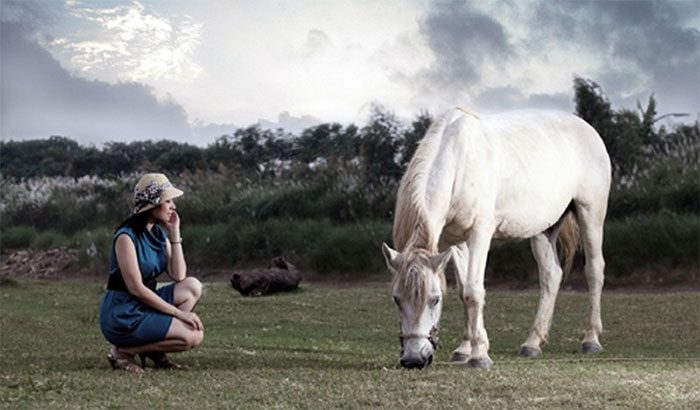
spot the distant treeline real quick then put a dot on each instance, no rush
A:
(325, 197)
(383, 147)
(650, 163)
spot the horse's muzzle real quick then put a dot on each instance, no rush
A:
(419, 363)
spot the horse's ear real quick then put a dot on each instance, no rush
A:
(392, 258)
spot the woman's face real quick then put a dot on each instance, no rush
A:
(164, 211)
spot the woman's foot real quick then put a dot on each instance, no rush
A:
(123, 361)
(160, 360)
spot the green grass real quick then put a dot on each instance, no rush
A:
(324, 347)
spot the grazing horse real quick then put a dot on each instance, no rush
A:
(526, 174)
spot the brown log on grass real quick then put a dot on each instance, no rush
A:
(280, 275)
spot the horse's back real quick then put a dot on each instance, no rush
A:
(545, 144)
(544, 131)
(528, 166)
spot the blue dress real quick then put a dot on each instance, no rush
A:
(124, 320)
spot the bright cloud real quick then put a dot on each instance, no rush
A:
(130, 43)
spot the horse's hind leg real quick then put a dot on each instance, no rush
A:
(545, 252)
(590, 220)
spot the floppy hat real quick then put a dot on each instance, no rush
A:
(152, 190)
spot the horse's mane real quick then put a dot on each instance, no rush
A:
(413, 283)
(411, 222)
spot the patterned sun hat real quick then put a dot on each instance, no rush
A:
(152, 190)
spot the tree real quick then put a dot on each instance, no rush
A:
(380, 146)
(592, 105)
(412, 136)
(625, 133)
(32, 158)
(315, 142)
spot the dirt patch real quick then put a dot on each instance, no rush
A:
(49, 264)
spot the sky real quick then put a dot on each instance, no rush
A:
(192, 70)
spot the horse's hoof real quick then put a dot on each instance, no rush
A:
(529, 352)
(591, 348)
(480, 363)
(458, 357)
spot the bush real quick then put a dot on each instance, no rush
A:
(310, 244)
(48, 240)
(650, 242)
(17, 237)
(94, 249)
(655, 242)
(211, 245)
(680, 198)
(352, 249)
(510, 260)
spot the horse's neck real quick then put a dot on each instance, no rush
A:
(412, 225)
(423, 196)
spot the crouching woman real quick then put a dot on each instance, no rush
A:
(135, 317)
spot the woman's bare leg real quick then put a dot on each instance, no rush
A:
(187, 293)
(180, 338)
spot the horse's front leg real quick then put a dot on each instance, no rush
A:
(544, 250)
(460, 264)
(474, 296)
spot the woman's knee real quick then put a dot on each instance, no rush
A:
(194, 338)
(194, 286)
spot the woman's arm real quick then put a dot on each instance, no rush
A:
(177, 268)
(129, 267)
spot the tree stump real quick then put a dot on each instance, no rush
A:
(280, 275)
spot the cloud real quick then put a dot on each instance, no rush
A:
(641, 46)
(29, 13)
(316, 43)
(211, 131)
(511, 54)
(463, 40)
(40, 99)
(289, 123)
(133, 44)
(509, 98)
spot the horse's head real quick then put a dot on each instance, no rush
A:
(418, 287)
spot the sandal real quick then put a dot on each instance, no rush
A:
(123, 361)
(160, 360)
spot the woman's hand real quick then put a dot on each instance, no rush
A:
(173, 226)
(191, 319)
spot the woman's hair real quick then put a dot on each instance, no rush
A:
(137, 222)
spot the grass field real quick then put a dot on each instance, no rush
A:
(328, 347)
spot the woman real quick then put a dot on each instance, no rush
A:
(135, 316)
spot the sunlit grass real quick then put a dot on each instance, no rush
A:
(326, 347)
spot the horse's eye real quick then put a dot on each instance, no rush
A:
(434, 301)
(396, 301)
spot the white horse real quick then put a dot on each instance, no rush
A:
(527, 174)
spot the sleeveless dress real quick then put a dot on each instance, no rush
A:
(124, 320)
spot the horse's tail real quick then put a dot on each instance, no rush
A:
(570, 240)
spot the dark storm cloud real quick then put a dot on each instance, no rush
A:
(652, 46)
(652, 34)
(40, 99)
(461, 38)
(653, 40)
